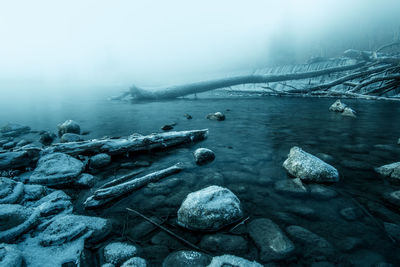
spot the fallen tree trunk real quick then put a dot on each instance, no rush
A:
(193, 88)
(104, 195)
(130, 144)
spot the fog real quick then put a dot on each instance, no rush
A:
(50, 46)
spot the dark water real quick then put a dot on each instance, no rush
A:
(250, 147)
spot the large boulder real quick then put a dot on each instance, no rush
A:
(14, 130)
(203, 155)
(308, 167)
(390, 171)
(56, 169)
(209, 209)
(271, 241)
(185, 258)
(117, 252)
(69, 126)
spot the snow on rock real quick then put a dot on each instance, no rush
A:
(338, 106)
(390, 171)
(56, 169)
(10, 256)
(349, 112)
(209, 209)
(203, 155)
(99, 161)
(270, 240)
(69, 126)
(70, 137)
(16, 220)
(308, 167)
(11, 192)
(231, 260)
(185, 258)
(135, 262)
(14, 130)
(217, 116)
(54, 203)
(117, 252)
(34, 192)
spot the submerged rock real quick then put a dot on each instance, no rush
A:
(351, 213)
(338, 106)
(291, 186)
(217, 116)
(167, 127)
(231, 260)
(14, 130)
(10, 256)
(56, 169)
(117, 252)
(390, 171)
(393, 230)
(308, 167)
(348, 112)
(203, 155)
(69, 126)
(321, 192)
(187, 116)
(186, 258)
(223, 243)
(70, 137)
(393, 198)
(209, 209)
(271, 241)
(99, 161)
(11, 192)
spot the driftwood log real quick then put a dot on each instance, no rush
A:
(105, 195)
(371, 67)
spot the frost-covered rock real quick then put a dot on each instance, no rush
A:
(390, 171)
(99, 161)
(10, 256)
(308, 167)
(69, 126)
(56, 169)
(231, 260)
(14, 130)
(11, 192)
(314, 245)
(70, 137)
(217, 116)
(203, 155)
(186, 258)
(117, 252)
(16, 220)
(271, 241)
(135, 262)
(209, 209)
(54, 203)
(21, 158)
(33, 192)
(338, 106)
(349, 112)
(85, 180)
(291, 186)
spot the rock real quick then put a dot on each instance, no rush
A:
(314, 245)
(47, 138)
(351, 213)
(303, 211)
(217, 116)
(69, 126)
(209, 209)
(4, 141)
(308, 167)
(11, 192)
(167, 127)
(136, 164)
(85, 180)
(350, 243)
(230, 260)
(338, 106)
(9, 145)
(56, 169)
(393, 198)
(70, 137)
(99, 161)
(16, 220)
(164, 239)
(348, 112)
(390, 171)
(321, 192)
(117, 252)
(135, 262)
(203, 156)
(325, 157)
(33, 192)
(18, 159)
(142, 229)
(393, 230)
(186, 258)
(56, 202)
(292, 187)
(271, 241)
(224, 243)
(188, 116)
(14, 130)
(23, 142)
(10, 256)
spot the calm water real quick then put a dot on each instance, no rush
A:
(250, 147)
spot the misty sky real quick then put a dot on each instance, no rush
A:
(159, 42)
